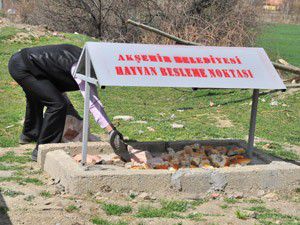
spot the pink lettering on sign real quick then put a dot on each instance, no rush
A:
(192, 66)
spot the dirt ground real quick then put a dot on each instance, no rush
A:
(29, 196)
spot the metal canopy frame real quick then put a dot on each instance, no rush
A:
(89, 80)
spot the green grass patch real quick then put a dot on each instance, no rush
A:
(11, 179)
(259, 209)
(200, 216)
(12, 193)
(29, 198)
(281, 41)
(22, 180)
(224, 206)
(33, 181)
(278, 150)
(175, 206)
(241, 215)
(269, 216)
(5, 167)
(100, 221)
(198, 202)
(46, 194)
(116, 210)
(8, 32)
(254, 201)
(11, 157)
(132, 195)
(276, 215)
(71, 208)
(268, 222)
(152, 212)
(172, 209)
(2, 13)
(196, 217)
(231, 200)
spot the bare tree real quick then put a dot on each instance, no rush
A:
(105, 19)
(212, 22)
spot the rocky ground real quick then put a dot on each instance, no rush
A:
(29, 196)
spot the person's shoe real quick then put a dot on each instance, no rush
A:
(118, 145)
(34, 154)
(23, 140)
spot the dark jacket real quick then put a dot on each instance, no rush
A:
(53, 62)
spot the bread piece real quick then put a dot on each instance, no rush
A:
(185, 163)
(233, 160)
(188, 150)
(175, 163)
(196, 146)
(244, 161)
(208, 147)
(195, 161)
(236, 151)
(207, 166)
(241, 151)
(211, 151)
(183, 157)
(198, 149)
(139, 156)
(167, 157)
(154, 161)
(218, 160)
(199, 154)
(180, 153)
(205, 163)
(222, 149)
(140, 167)
(90, 159)
(204, 157)
(162, 166)
(240, 157)
(170, 151)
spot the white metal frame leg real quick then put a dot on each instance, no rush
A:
(86, 109)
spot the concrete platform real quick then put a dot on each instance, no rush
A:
(265, 172)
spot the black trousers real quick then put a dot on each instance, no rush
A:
(43, 127)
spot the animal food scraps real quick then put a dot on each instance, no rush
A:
(193, 156)
(90, 159)
(111, 159)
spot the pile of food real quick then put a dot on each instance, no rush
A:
(192, 156)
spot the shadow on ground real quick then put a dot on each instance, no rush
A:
(4, 218)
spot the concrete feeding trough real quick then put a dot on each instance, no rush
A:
(263, 173)
(113, 64)
(141, 65)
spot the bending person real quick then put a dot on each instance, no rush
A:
(45, 73)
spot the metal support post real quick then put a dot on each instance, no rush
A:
(252, 122)
(86, 109)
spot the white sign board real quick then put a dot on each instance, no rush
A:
(117, 64)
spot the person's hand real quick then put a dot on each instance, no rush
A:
(118, 145)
